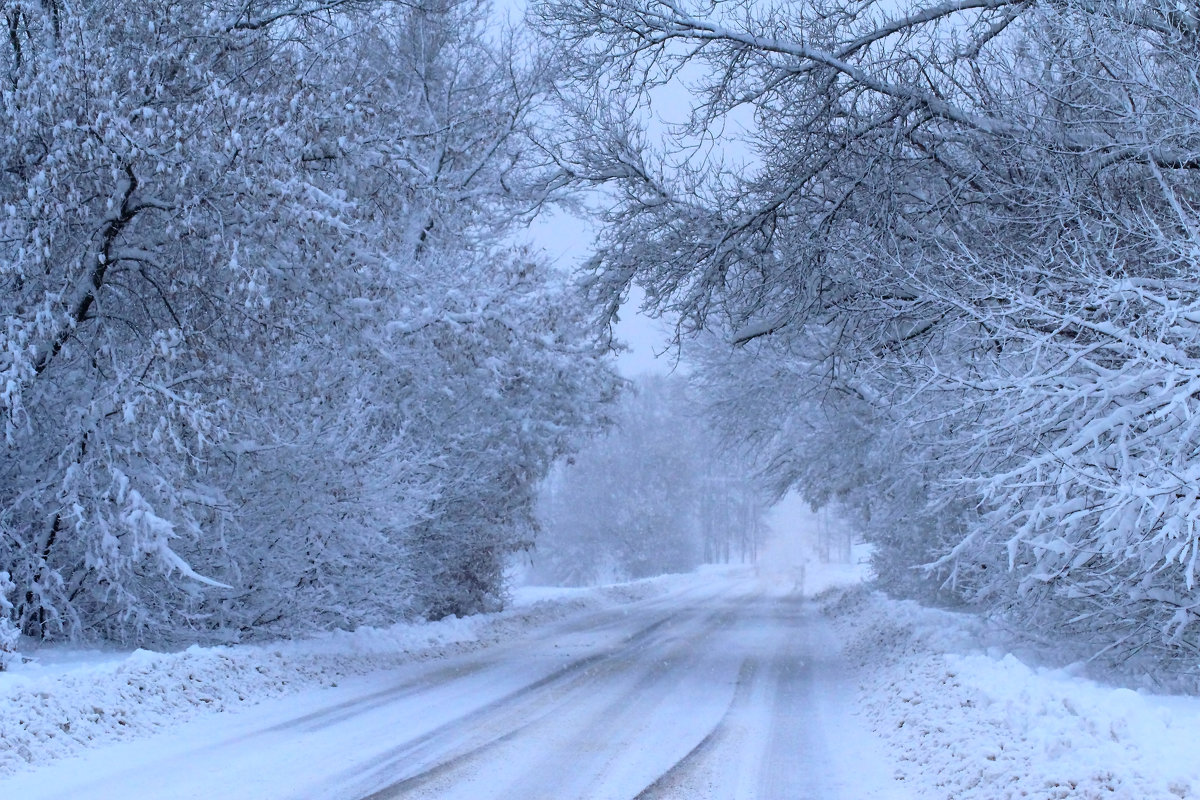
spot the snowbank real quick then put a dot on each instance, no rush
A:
(970, 721)
(76, 699)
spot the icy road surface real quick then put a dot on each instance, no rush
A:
(728, 688)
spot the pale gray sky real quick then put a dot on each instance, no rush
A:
(566, 239)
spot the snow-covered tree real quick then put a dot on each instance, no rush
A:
(968, 230)
(9, 633)
(264, 328)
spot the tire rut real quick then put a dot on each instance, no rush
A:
(570, 679)
(678, 771)
(563, 680)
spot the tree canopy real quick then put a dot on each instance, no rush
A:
(957, 278)
(269, 357)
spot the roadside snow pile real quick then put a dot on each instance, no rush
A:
(972, 722)
(48, 713)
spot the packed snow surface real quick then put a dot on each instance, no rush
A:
(65, 700)
(721, 684)
(718, 684)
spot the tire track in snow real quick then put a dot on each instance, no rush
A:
(711, 742)
(617, 734)
(446, 748)
(768, 744)
(595, 622)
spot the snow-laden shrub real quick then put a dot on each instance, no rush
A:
(8, 631)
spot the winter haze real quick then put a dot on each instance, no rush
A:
(600, 399)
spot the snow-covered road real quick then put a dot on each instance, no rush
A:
(728, 687)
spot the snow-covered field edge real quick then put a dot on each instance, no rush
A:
(53, 710)
(965, 719)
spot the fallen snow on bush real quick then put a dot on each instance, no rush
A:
(969, 721)
(79, 699)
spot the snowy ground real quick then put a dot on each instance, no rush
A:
(723, 684)
(718, 684)
(63, 701)
(964, 719)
